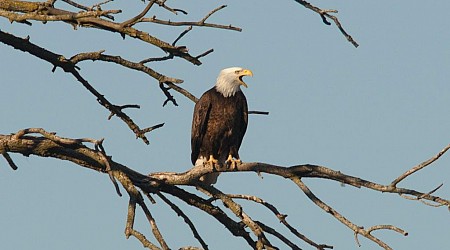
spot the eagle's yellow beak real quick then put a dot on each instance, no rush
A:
(242, 73)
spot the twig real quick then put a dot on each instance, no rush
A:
(432, 191)
(105, 160)
(181, 35)
(150, 198)
(420, 166)
(174, 11)
(166, 92)
(280, 236)
(157, 59)
(97, 5)
(420, 197)
(135, 19)
(171, 56)
(76, 5)
(205, 53)
(182, 91)
(212, 12)
(197, 24)
(388, 227)
(121, 107)
(200, 23)
(324, 14)
(9, 160)
(258, 112)
(146, 130)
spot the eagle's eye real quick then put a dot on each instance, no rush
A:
(237, 71)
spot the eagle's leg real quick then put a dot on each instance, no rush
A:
(232, 163)
(212, 161)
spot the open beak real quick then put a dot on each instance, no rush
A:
(244, 72)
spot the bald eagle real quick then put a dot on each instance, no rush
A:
(219, 122)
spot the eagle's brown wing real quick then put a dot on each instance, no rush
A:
(199, 124)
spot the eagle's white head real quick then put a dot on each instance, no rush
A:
(229, 80)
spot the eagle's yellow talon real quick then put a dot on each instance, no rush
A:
(232, 163)
(212, 161)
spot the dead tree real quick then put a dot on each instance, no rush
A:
(141, 188)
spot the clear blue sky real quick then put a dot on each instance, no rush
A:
(373, 112)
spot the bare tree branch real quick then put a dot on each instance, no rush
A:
(70, 67)
(281, 217)
(305, 171)
(199, 23)
(39, 142)
(87, 19)
(356, 229)
(126, 63)
(324, 14)
(51, 145)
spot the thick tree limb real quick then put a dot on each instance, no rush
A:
(83, 156)
(305, 171)
(74, 150)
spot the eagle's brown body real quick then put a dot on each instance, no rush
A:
(218, 126)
